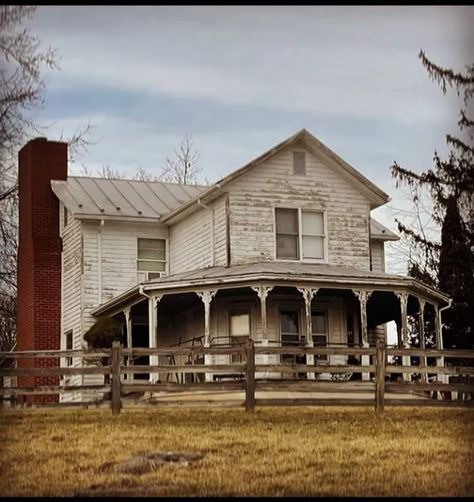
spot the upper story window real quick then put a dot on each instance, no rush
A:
(299, 163)
(300, 234)
(151, 256)
(65, 215)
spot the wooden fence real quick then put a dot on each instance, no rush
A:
(246, 375)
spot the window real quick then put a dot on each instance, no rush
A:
(65, 211)
(299, 163)
(287, 233)
(69, 343)
(319, 331)
(310, 235)
(313, 235)
(151, 255)
(239, 331)
(289, 327)
(290, 336)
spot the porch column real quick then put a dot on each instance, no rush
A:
(363, 296)
(308, 295)
(128, 331)
(262, 292)
(152, 332)
(421, 322)
(403, 298)
(206, 297)
(439, 343)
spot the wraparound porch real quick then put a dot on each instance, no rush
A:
(308, 307)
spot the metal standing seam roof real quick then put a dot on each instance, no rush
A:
(85, 196)
(378, 231)
(147, 199)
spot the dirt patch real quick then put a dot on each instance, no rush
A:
(145, 462)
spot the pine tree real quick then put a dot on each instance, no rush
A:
(456, 278)
(450, 186)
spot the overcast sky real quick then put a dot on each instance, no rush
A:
(241, 79)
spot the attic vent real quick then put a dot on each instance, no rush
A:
(299, 163)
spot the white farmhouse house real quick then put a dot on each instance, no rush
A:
(282, 250)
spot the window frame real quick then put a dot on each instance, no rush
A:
(325, 236)
(165, 271)
(305, 162)
(238, 310)
(325, 311)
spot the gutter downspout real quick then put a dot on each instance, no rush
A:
(211, 213)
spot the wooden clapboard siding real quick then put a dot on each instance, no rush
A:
(220, 232)
(253, 196)
(378, 255)
(190, 242)
(118, 267)
(71, 311)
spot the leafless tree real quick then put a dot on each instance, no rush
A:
(184, 167)
(22, 88)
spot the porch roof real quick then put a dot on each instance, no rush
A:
(278, 273)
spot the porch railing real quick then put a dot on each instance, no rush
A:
(381, 389)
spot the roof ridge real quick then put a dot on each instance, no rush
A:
(133, 180)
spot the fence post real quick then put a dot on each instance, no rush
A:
(115, 372)
(250, 376)
(380, 376)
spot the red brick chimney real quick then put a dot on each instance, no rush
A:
(39, 256)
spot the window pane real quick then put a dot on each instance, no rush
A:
(319, 340)
(287, 246)
(293, 340)
(151, 266)
(151, 249)
(286, 221)
(313, 247)
(151, 244)
(151, 254)
(289, 322)
(318, 322)
(69, 340)
(313, 223)
(240, 324)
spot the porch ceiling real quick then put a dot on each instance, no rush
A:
(273, 273)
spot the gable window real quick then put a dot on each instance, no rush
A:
(151, 256)
(65, 211)
(299, 163)
(69, 343)
(300, 234)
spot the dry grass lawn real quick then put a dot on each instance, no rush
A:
(274, 452)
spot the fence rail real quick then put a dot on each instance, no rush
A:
(247, 375)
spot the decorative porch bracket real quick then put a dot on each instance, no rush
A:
(403, 298)
(206, 297)
(363, 295)
(421, 323)
(439, 343)
(128, 329)
(308, 295)
(262, 292)
(153, 331)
